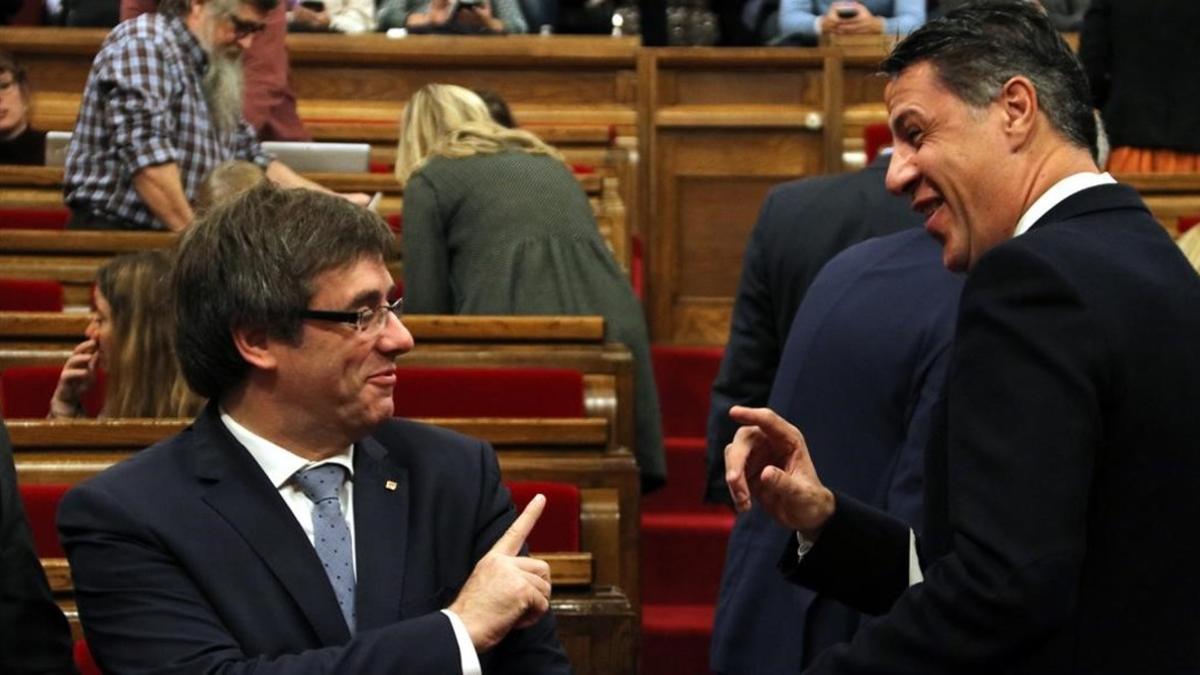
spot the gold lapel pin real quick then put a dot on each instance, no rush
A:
(390, 485)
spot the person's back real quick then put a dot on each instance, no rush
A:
(862, 374)
(1140, 60)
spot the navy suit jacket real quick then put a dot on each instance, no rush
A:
(801, 226)
(1060, 508)
(34, 637)
(861, 376)
(185, 560)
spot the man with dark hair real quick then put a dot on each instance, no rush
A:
(163, 107)
(34, 637)
(1068, 461)
(296, 527)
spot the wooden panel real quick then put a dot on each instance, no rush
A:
(717, 214)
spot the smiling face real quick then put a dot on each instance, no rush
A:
(336, 377)
(955, 163)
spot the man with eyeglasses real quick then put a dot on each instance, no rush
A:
(296, 526)
(161, 109)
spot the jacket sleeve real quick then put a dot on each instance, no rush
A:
(427, 287)
(1025, 418)
(34, 637)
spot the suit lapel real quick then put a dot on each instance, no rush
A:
(381, 511)
(246, 499)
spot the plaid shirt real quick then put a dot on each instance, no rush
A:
(144, 106)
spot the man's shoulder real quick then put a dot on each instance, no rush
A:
(162, 466)
(416, 444)
(151, 28)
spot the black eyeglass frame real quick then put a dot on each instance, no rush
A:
(361, 320)
(243, 28)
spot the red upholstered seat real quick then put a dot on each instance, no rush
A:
(83, 660)
(25, 392)
(41, 505)
(685, 376)
(34, 219)
(558, 528)
(30, 295)
(489, 392)
(876, 137)
(396, 222)
(1187, 222)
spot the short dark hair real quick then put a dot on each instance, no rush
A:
(978, 47)
(250, 262)
(9, 65)
(182, 7)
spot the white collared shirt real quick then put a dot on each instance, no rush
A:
(280, 464)
(1056, 194)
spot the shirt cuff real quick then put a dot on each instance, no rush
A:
(914, 563)
(817, 21)
(803, 546)
(466, 648)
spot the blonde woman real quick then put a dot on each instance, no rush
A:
(130, 338)
(494, 223)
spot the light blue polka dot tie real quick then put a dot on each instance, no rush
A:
(331, 536)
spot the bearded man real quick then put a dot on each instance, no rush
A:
(161, 109)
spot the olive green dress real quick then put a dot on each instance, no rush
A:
(513, 233)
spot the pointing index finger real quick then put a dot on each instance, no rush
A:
(513, 539)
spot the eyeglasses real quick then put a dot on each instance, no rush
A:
(243, 28)
(366, 321)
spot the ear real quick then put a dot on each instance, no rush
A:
(256, 347)
(1019, 104)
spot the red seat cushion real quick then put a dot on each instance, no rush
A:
(876, 137)
(685, 377)
(558, 528)
(30, 295)
(25, 391)
(34, 219)
(1187, 222)
(489, 392)
(41, 505)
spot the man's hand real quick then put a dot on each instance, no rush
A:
(77, 377)
(479, 16)
(309, 18)
(862, 23)
(768, 459)
(505, 591)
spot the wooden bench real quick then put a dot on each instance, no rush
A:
(40, 187)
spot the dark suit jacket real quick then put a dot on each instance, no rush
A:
(861, 375)
(34, 637)
(801, 226)
(1141, 60)
(185, 560)
(1059, 510)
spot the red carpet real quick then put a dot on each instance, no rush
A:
(683, 540)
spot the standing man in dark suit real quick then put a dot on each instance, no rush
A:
(296, 527)
(802, 225)
(862, 374)
(34, 637)
(1057, 507)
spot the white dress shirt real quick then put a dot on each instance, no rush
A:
(280, 464)
(1041, 206)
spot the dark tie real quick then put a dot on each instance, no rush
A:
(331, 536)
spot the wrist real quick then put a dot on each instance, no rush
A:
(823, 510)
